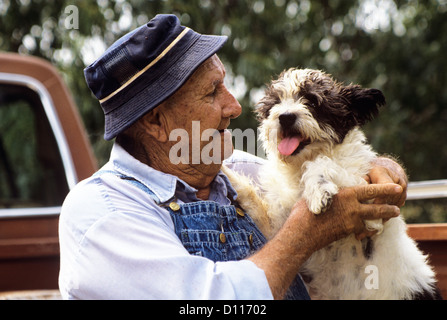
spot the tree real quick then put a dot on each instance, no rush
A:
(396, 46)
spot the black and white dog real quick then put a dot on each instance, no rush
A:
(310, 129)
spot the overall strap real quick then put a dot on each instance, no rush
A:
(130, 180)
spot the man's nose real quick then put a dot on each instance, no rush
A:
(231, 107)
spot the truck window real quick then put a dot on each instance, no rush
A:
(31, 168)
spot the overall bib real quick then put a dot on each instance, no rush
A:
(216, 232)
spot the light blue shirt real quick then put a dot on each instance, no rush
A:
(117, 243)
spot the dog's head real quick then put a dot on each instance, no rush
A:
(305, 108)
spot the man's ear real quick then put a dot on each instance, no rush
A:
(364, 103)
(154, 125)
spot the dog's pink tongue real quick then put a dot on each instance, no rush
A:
(288, 145)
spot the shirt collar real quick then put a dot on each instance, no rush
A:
(161, 184)
(166, 186)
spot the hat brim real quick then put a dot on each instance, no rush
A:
(119, 119)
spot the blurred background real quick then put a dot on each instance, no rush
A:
(396, 46)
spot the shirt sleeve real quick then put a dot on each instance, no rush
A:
(245, 163)
(109, 251)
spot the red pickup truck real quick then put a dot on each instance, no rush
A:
(44, 152)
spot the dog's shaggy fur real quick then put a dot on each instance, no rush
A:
(310, 127)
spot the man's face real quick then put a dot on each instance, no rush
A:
(203, 104)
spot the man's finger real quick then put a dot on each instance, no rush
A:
(380, 175)
(372, 191)
(398, 200)
(378, 211)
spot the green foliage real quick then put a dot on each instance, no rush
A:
(401, 52)
(425, 211)
(23, 158)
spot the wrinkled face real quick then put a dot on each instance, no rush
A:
(305, 109)
(203, 107)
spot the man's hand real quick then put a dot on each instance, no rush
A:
(350, 208)
(386, 170)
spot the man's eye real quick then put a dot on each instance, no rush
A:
(213, 93)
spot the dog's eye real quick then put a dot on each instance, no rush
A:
(310, 104)
(312, 100)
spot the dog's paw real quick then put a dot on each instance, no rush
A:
(374, 225)
(320, 204)
(321, 199)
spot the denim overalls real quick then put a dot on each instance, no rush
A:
(214, 231)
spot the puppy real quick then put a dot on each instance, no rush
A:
(310, 129)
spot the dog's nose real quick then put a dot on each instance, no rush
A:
(287, 119)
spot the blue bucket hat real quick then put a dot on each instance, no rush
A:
(145, 67)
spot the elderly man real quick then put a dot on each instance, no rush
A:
(147, 227)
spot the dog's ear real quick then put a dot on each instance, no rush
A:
(270, 99)
(364, 103)
(263, 107)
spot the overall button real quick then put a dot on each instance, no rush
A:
(222, 238)
(250, 239)
(174, 206)
(240, 212)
